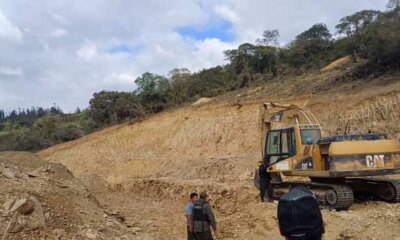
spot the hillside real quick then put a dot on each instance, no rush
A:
(155, 163)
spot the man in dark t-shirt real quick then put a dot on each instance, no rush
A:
(265, 183)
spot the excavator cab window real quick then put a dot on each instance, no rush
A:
(312, 135)
(280, 144)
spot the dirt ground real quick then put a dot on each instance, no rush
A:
(62, 207)
(141, 174)
(152, 208)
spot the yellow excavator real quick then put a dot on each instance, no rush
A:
(337, 168)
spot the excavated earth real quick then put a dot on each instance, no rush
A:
(140, 174)
(42, 200)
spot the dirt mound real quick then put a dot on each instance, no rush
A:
(42, 200)
(344, 61)
(201, 101)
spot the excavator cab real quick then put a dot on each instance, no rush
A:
(280, 144)
(336, 168)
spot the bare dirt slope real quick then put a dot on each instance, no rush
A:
(42, 200)
(151, 166)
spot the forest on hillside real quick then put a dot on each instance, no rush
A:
(371, 38)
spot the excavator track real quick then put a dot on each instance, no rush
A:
(332, 196)
(345, 197)
(396, 185)
(341, 196)
(383, 189)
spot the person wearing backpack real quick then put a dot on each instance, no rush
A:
(299, 215)
(188, 213)
(203, 219)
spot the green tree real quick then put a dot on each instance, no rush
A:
(318, 32)
(249, 59)
(47, 125)
(153, 91)
(393, 5)
(270, 38)
(112, 107)
(150, 82)
(242, 58)
(310, 48)
(381, 40)
(127, 106)
(180, 83)
(354, 26)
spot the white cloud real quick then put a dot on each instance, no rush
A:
(126, 78)
(122, 79)
(6, 96)
(290, 17)
(210, 52)
(8, 30)
(59, 32)
(88, 51)
(60, 18)
(113, 42)
(10, 71)
(227, 13)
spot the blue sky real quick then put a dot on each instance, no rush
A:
(63, 51)
(221, 30)
(121, 48)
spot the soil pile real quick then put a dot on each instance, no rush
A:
(42, 200)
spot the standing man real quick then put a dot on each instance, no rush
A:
(188, 213)
(203, 219)
(265, 183)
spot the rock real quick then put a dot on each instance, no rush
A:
(8, 173)
(20, 204)
(18, 228)
(58, 233)
(8, 205)
(136, 229)
(62, 185)
(246, 175)
(109, 224)
(91, 234)
(49, 169)
(26, 208)
(32, 174)
(38, 214)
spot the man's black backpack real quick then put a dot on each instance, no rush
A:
(299, 215)
(198, 213)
